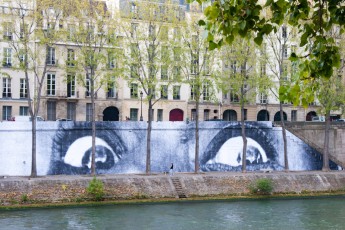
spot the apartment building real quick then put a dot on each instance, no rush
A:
(66, 91)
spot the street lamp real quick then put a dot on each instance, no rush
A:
(141, 104)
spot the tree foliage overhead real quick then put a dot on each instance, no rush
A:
(314, 19)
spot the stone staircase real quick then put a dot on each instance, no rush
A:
(178, 187)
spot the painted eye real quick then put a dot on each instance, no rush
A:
(224, 151)
(72, 148)
(230, 153)
(79, 153)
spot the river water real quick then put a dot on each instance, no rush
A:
(314, 213)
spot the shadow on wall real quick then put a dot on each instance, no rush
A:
(121, 148)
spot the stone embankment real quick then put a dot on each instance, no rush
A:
(62, 189)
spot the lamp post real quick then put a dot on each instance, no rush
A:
(141, 104)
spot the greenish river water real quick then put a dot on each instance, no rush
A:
(314, 213)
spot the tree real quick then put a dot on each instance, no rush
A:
(331, 96)
(199, 69)
(32, 39)
(243, 79)
(279, 66)
(226, 20)
(92, 32)
(148, 29)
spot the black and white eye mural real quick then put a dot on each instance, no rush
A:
(121, 148)
(72, 149)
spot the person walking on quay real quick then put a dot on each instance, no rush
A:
(171, 171)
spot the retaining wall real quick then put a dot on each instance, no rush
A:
(73, 188)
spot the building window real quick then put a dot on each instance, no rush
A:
(70, 85)
(22, 57)
(206, 114)
(177, 54)
(134, 27)
(8, 31)
(88, 112)
(133, 114)
(71, 32)
(285, 52)
(176, 72)
(51, 110)
(160, 115)
(23, 110)
(134, 8)
(165, 54)
(6, 113)
(193, 117)
(134, 71)
(192, 90)
(177, 33)
(134, 90)
(234, 97)
(111, 60)
(50, 56)
(7, 58)
(293, 115)
(50, 84)
(70, 58)
(245, 114)
(88, 85)
(152, 31)
(6, 87)
(194, 64)
(263, 98)
(111, 92)
(206, 91)
(71, 110)
(23, 93)
(284, 32)
(207, 65)
(176, 92)
(164, 92)
(164, 72)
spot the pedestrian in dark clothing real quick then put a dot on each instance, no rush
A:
(171, 171)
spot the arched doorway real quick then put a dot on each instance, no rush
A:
(111, 114)
(176, 115)
(263, 115)
(277, 116)
(230, 115)
(310, 115)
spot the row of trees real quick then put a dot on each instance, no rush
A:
(163, 45)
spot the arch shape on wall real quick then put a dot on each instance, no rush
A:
(310, 115)
(230, 115)
(263, 115)
(277, 116)
(111, 113)
(176, 115)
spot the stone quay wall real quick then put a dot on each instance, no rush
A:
(65, 189)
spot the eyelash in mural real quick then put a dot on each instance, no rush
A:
(224, 152)
(72, 146)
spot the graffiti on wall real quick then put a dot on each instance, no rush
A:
(121, 148)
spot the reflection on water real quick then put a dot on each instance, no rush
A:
(321, 213)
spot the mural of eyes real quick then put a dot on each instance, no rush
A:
(224, 152)
(72, 149)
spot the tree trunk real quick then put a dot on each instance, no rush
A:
(244, 138)
(93, 123)
(286, 161)
(196, 170)
(148, 139)
(33, 148)
(325, 166)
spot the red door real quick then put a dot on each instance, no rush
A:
(176, 115)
